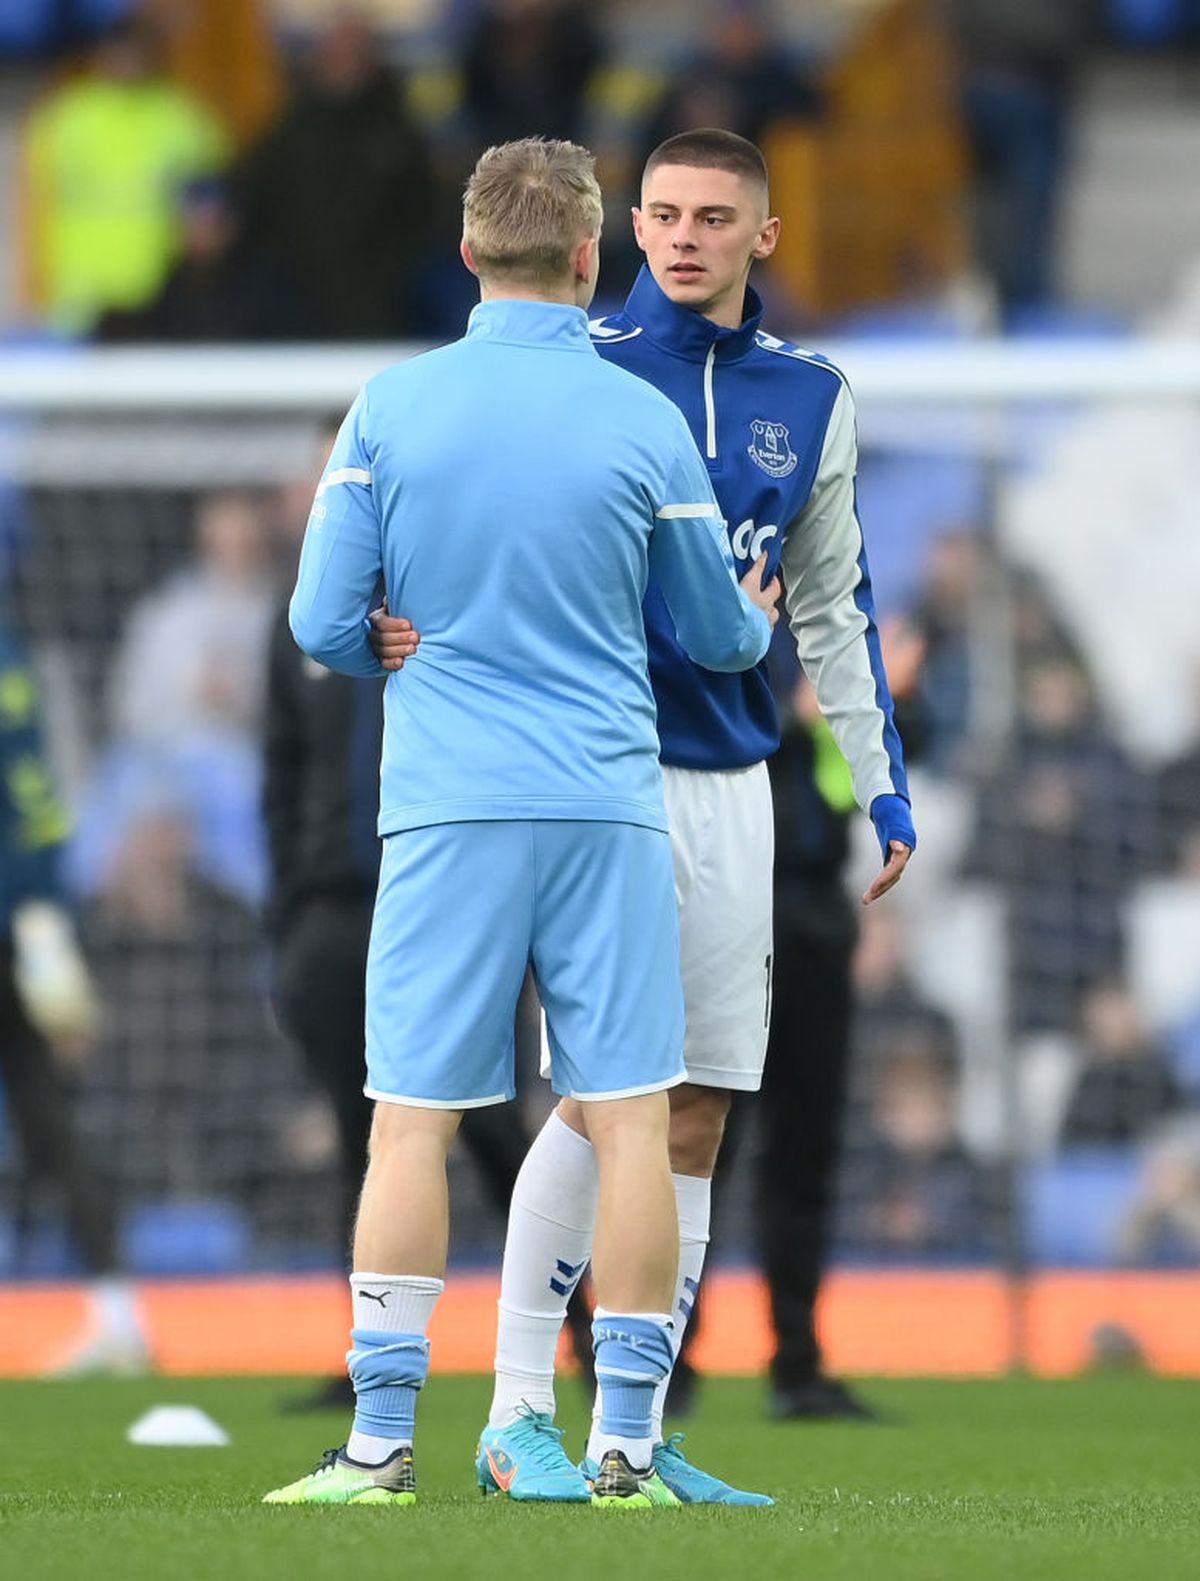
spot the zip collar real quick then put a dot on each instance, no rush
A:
(684, 331)
(518, 321)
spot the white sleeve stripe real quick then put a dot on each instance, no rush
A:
(344, 475)
(670, 512)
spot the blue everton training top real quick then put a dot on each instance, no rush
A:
(775, 425)
(511, 494)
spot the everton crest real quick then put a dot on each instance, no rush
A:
(770, 450)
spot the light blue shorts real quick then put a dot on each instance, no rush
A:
(464, 907)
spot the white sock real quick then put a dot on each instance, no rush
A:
(639, 1452)
(550, 1227)
(371, 1451)
(389, 1304)
(115, 1306)
(394, 1303)
(693, 1204)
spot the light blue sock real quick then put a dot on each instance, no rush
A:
(387, 1371)
(634, 1353)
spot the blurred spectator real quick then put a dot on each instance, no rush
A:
(187, 689)
(106, 155)
(903, 646)
(913, 496)
(192, 660)
(187, 1053)
(47, 1022)
(1124, 1086)
(890, 1011)
(1020, 61)
(527, 65)
(342, 188)
(944, 614)
(1183, 1045)
(910, 1189)
(1063, 824)
(1163, 1224)
(1179, 807)
(220, 288)
(739, 79)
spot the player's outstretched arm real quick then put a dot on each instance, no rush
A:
(720, 625)
(831, 612)
(341, 560)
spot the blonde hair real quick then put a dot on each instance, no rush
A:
(527, 205)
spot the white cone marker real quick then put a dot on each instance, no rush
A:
(177, 1426)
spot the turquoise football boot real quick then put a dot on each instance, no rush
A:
(526, 1461)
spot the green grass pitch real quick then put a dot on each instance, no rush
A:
(1012, 1480)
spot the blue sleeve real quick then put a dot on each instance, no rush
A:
(690, 559)
(341, 561)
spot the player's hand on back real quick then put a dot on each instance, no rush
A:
(767, 598)
(392, 638)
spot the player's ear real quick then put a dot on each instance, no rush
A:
(637, 227)
(768, 238)
(586, 258)
(586, 261)
(468, 257)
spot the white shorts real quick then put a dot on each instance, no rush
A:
(723, 842)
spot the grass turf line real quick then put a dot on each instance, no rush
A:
(980, 1481)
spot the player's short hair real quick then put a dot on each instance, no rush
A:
(527, 205)
(712, 148)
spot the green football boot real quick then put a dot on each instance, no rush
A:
(340, 1480)
(620, 1486)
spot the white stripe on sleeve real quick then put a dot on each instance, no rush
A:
(669, 512)
(344, 475)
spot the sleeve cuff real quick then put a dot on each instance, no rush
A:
(892, 817)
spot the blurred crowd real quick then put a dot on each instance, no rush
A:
(1027, 1035)
(195, 170)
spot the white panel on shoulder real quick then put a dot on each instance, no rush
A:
(599, 329)
(785, 349)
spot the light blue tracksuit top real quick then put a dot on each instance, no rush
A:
(511, 493)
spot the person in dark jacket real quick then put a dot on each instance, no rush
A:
(1020, 64)
(220, 288)
(739, 78)
(803, 1100)
(1124, 1087)
(342, 188)
(526, 69)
